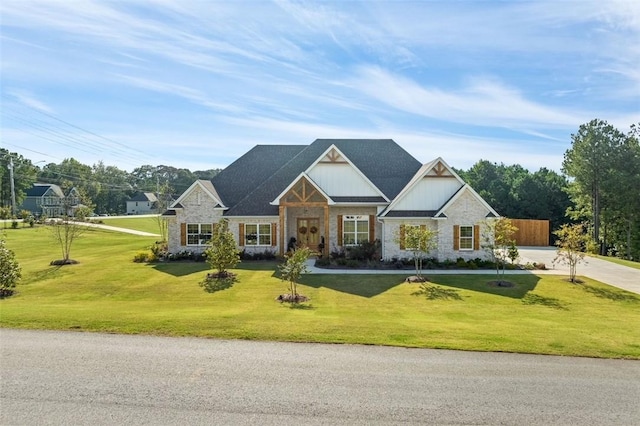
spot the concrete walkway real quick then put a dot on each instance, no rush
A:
(606, 272)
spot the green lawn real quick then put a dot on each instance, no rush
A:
(108, 292)
(145, 223)
(624, 262)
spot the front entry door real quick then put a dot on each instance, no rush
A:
(309, 232)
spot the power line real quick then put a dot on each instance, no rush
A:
(70, 135)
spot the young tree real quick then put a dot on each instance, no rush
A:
(164, 200)
(497, 241)
(294, 266)
(419, 240)
(65, 231)
(571, 244)
(222, 253)
(10, 272)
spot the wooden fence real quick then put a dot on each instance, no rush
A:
(531, 232)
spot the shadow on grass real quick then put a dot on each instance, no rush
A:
(358, 285)
(435, 292)
(301, 306)
(522, 284)
(45, 274)
(180, 269)
(612, 294)
(536, 299)
(213, 285)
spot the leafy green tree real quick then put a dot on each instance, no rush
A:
(112, 188)
(497, 242)
(292, 269)
(10, 271)
(222, 253)
(419, 240)
(571, 243)
(24, 175)
(589, 163)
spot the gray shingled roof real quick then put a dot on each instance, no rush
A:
(144, 196)
(254, 180)
(39, 189)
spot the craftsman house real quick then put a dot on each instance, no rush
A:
(332, 194)
(47, 199)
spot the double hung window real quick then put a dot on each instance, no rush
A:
(257, 234)
(199, 234)
(355, 230)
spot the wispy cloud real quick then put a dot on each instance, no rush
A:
(30, 100)
(483, 102)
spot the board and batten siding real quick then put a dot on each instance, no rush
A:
(430, 193)
(341, 180)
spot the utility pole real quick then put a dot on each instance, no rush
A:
(13, 188)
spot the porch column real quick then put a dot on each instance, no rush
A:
(281, 213)
(325, 250)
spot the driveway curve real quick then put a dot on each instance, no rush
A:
(606, 272)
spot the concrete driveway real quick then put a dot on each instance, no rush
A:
(610, 273)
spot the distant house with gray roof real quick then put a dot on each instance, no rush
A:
(142, 203)
(49, 200)
(330, 195)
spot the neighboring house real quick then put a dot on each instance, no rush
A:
(142, 203)
(337, 192)
(48, 199)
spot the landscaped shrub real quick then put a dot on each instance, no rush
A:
(367, 250)
(143, 256)
(10, 271)
(14, 224)
(352, 263)
(337, 253)
(323, 262)
(266, 254)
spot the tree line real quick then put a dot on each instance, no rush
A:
(105, 188)
(599, 186)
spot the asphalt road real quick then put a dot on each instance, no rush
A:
(55, 378)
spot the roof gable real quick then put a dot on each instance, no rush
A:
(206, 186)
(41, 189)
(433, 185)
(144, 197)
(457, 195)
(339, 177)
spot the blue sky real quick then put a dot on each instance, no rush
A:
(195, 84)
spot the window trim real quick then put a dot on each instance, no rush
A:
(461, 238)
(258, 235)
(201, 241)
(356, 219)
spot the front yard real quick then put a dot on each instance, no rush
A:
(108, 292)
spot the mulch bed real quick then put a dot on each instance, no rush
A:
(290, 298)
(505, 284)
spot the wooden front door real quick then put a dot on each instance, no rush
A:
(308, 232)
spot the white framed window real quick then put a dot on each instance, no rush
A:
(466, 237)
(257, 234)
(355, 230)
(199, 234)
